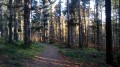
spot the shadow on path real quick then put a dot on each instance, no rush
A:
(50, 57)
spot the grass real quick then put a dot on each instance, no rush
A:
(87, 55)
(14, 54)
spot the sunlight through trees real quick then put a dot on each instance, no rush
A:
(79, 24)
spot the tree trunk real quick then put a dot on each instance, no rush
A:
(84, 24)
(45, 21)
(109, 50)
(1, 30)
(68, 24)
(10, 21)
(88, 30)
(51, 29)
(15, 23)
(44, 37)
(119, 23)
(80, 26)
(60, 21)
(1, 24)
(97, 21)
(26, 22)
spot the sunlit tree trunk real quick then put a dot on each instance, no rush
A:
(51, 28)
(109, 50)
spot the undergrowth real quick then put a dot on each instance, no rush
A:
(15, 54)
(86, 55)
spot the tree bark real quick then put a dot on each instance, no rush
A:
(60, 21)
(26, 22)
(97, 21)
(109, 50)
(15, 23)
(84, 31)
(80, 26)
(10, 21)
(119, 23)
(68, 24)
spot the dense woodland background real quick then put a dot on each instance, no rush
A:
(77, 24)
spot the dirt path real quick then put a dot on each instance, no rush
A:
(50, 57)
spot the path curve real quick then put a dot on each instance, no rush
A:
(50, 57)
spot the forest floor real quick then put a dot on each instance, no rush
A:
(51, 57)
(48, 55)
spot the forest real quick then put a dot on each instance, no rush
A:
(59, 33)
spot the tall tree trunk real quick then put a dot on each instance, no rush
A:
(44, 31)
(51, 28)
(59, 21)
(68, 24)
(84, 24)
(116, 24)
(102, 37)
(109, 50)
(80, 26)
(1, 25)
(10, 21)
(88, 30)
(1, 30)
(119, 23)
(44, 37)
(15, 23)
(26, 22)
(97, 21)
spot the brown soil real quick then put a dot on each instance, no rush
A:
(50, 57)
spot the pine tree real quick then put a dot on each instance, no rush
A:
(109, 53)
(26, 22)
(10, 21)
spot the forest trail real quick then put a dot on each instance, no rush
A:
(50, 57)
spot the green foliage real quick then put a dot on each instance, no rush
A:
(116, 57)
(37, 28)
(44, 19)
(117, 60)
(47, 15)
(34, 21)
(32, 28)
(51, 41)
(86, 1)
(14, 55)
